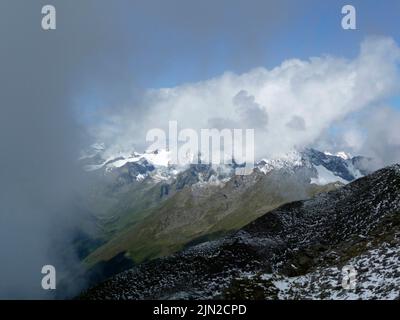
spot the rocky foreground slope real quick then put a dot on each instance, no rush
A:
(294, 252)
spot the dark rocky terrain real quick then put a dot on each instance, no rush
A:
(294, 252)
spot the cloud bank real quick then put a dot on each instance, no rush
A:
(290, 106)
(99, 51)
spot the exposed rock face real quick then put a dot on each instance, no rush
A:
(294, 252)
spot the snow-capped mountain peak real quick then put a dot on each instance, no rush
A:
(325, 167)
(341, 154)
(288, 160)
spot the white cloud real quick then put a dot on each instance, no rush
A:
(375, 134)
(310, 95)
(296, 123)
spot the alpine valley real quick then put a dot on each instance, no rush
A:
(144, 209)
(296, 251)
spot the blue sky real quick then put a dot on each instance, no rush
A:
(312, 29)
(154, 44)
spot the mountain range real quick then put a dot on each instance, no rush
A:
(134, 166)
(144, 208)
(296, 251)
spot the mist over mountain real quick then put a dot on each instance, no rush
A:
(294, 105)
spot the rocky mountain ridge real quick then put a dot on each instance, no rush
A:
(294, 252)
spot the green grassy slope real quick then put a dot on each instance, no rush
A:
(196, 213)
